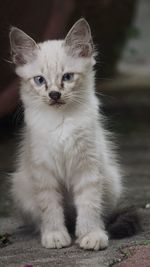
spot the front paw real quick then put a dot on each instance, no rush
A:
(94, 240)
(56, 239)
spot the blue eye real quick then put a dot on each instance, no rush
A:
(39, 80)
(67, 77)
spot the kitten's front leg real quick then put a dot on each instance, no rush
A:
(90, 230)
(53, 231)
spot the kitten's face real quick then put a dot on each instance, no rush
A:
(57, 73)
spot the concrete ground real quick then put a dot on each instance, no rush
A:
(131, 124)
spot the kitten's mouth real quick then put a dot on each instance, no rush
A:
(56, 103)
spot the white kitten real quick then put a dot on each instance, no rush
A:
(64, 143)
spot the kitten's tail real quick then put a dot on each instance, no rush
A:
(124, 223)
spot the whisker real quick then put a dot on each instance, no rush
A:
(8, 61)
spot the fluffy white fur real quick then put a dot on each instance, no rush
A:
(63, 145)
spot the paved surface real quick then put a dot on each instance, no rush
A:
(133, 130)
(136, 256)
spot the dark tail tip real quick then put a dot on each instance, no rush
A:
(124, 223)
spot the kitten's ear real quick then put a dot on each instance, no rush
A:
(79, 39)
(23, 47)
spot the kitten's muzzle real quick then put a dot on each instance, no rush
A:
(55, 95)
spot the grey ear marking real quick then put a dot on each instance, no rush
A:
(23, 47)
(79, 39)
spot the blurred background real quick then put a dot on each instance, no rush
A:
(121, 33)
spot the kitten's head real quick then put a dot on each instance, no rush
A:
(57, 73)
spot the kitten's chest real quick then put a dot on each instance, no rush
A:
(54, 148)
(63, 136)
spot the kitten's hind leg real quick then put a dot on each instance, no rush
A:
(23, 195)
(42, 201)
(113, 188)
